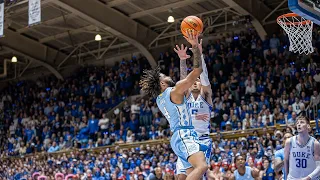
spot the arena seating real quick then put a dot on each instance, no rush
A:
(88, 125)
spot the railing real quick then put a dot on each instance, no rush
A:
(312, 108)
(224, 135)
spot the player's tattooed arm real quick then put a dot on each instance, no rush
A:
(197, 62)
(183, 56)
(183, 69)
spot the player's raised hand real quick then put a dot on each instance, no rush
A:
(182, 52)
(192, 38)
(199, 46)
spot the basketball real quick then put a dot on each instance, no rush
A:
(191, 23)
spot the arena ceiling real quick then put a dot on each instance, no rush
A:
(65, 36)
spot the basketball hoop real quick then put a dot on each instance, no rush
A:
(299, 31)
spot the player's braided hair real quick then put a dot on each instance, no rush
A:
(150, 82)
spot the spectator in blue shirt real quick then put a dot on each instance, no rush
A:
(93, 126)
(134, 123)
(53, 148)
(29, 133)
(265, 46)
(274, 44)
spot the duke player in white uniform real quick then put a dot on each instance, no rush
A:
(172, 103)
(243, 172)
(199, 103)
(302, 154)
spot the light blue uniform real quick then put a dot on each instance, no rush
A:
(184, 141)
(246, 176)
(202, 126)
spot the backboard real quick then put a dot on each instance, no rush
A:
(309, 9)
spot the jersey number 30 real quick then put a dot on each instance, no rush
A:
(301, 163)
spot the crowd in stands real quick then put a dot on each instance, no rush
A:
(256, 83)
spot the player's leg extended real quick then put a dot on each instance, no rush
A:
(198, 162)
(207, 142)
(196, 159)
(187, 147)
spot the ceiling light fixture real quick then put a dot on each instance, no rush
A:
(170, 19)
(14, 59)
(98, 37)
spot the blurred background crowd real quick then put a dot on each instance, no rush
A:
(256, 84)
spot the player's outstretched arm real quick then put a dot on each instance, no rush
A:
(204, 78)
(286, 156)
(316, 173)
(186, 83)
(183, 56)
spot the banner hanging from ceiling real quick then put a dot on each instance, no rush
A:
(34, 12)
(1, 17)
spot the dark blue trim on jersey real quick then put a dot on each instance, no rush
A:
(291, 139)
(206, 101)
(312, 148)
(203, 137)
(303, 145)
(189, 96)
(295, 7)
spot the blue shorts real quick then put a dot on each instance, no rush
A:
(180, 166)
(184, 143)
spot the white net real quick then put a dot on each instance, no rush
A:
(299, 31)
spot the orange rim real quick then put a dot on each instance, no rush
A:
(290, 23)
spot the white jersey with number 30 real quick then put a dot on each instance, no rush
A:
(301, 159)
(200, 111)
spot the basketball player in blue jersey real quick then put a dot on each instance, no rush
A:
(172, 103)
(243, 172)
(199, 99)
(302, 154)
(279, 157)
